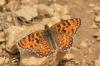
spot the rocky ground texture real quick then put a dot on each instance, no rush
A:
(18, 18)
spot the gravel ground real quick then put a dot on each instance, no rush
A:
(19, 15)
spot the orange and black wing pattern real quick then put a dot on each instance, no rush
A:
(36, 42)
(65, 31)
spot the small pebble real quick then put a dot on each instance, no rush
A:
(3, 46)
(29, 2)
(97, 62)
(96, 8)
(97, 18)
(94, 26)
(56, 7)
(64, 10)
(90, 50)
(43, 9)
(66, 17)
(91, 5)
(84, 44)
(2, 60)
(9, 18)
(2, 2)
(69, 56)
(10, 5)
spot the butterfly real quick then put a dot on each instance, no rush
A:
(55, 38)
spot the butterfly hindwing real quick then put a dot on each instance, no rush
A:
(65, 42)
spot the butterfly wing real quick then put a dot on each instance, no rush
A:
(68, 26)
(36, 42)
(65, 42)
(44, 49)
(65, 30)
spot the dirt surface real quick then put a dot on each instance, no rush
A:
(85, 50)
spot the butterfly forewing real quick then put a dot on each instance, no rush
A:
(67, 26)
(31, 41)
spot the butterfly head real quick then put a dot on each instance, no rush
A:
(46, 26)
